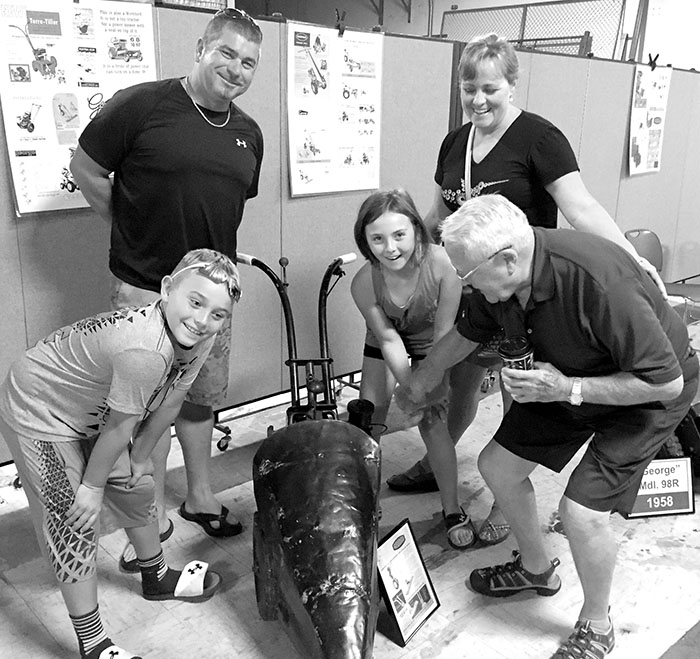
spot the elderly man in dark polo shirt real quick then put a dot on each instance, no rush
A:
(612, 360)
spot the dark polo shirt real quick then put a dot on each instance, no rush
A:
(592, 311)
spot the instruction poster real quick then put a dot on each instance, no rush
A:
(648, 117)
(60, 61)
(334, 109)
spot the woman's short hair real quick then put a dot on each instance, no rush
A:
(489, 47)
(485, 224)
(213, 265)
(395, 201)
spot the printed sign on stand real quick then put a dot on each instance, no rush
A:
(405, 583)
(666, 489)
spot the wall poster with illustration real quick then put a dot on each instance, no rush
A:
(60, 61)
(648, 118)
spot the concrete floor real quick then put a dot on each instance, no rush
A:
(656, 598)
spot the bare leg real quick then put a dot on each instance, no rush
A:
(465, 383)
(80, 597)
(377, 386)
(508, 477)
(443, 459)
(495, 515)
(194, 427)
(159, 457)
(594, 550)
(145, 540)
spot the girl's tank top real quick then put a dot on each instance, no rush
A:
(414, 321)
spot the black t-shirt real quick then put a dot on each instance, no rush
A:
(179, 183)
(531, 154)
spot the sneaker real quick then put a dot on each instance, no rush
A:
(415, 479)
(512, 578)
(584, 643)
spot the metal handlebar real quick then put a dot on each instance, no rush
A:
(244, 258)
(281, 287)
(334, 269)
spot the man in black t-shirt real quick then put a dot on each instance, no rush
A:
(185, 159)
(612, 360)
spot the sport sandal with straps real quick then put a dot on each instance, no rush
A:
(512, 578)
(584, 643)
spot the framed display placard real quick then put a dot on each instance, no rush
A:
(405, 583)
(666, 489)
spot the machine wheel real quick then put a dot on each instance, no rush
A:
(70, 186)
(314, 87)
(223, 442)
(30, 127)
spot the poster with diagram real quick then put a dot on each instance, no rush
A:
(648, 117)
(334, 109)
(60, 61)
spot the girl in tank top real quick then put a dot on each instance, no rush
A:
(408, 294)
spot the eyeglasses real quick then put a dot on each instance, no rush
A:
(238, 15)
(484, 262)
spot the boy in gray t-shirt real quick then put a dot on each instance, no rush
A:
(81, 412)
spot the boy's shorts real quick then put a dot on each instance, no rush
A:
(625, 440)
(50, 474)
(210, 386)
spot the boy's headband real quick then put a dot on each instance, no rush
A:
(233, 290)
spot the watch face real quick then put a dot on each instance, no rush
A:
(575, 397)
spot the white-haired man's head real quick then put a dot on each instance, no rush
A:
(490, 244)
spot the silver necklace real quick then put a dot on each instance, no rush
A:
(188, 89)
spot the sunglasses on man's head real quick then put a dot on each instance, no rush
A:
(238, 15)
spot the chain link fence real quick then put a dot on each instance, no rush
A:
(578, 27)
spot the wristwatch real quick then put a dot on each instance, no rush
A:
(575, 396)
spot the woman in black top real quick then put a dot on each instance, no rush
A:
(522, 156)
